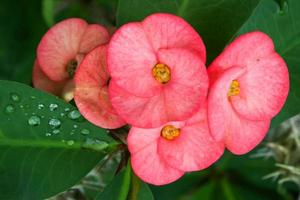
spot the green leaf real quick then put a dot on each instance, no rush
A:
(139, 190)
(22, 27)
(206, 191)
(45, 146)
(118, 189)
(216, 21)
(283, 25)
(48, 11)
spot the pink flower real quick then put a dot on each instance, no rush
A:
(91, 90)
(249, 85)
(157, 69)
(61, 51)
(162, 155)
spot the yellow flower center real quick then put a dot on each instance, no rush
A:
(170, 132)
(234, 89)
(161, 73)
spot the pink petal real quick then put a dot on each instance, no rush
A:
(42, 82)
(60, 45)
(138, 111)
(265, 86)
(166, 31)
(239, 134)
(187, 89)
(91, 93)
(194, 149)
(264, 89)
(131, 59)
(145, 160)
(243, 51)
(139, 138)
(94, 35)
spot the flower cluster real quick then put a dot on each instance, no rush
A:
(152, 76)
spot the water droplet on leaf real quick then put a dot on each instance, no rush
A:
(85, 131)
(53, 106)
(75, 114)
(95, 144)
(54, 123)
(34, 120)
(70, 142)
(41, 106)
(15, 97)
(56, 131)
(9, 109)
(48, 134)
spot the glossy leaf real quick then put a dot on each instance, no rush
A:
(139, 190)
(22, 27)
(45, 144)
(216, 21)
(119, 187)
(282, 22)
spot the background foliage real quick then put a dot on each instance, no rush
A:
(36, 166)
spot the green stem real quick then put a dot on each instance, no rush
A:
(135, 187)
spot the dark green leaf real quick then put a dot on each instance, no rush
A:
(118, 189)
(216, 21)
(184, 185)
(139, 190)
(22, 26)
(283, 25)
(45, 146)
(206, 192)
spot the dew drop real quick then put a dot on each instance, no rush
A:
(41, 106)
(95, 144)
(15, 97)
(56, 131)
(53, 106)
(67, 109)
(9, 109)
(62, 114)
(21, 106)
(48, 134)
(34, 120)
(54, 123)
(33, 97)
(75, 114)
(85, 131)
(75, 126)
(70, 142)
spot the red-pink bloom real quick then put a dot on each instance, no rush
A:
(91, 90)
(162, 155)
(249, 85)
(157, 69)
(61, 51)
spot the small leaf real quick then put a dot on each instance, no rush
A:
(42, 150)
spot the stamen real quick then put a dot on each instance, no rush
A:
(161, 73)
(170, 132)
(234, 89)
